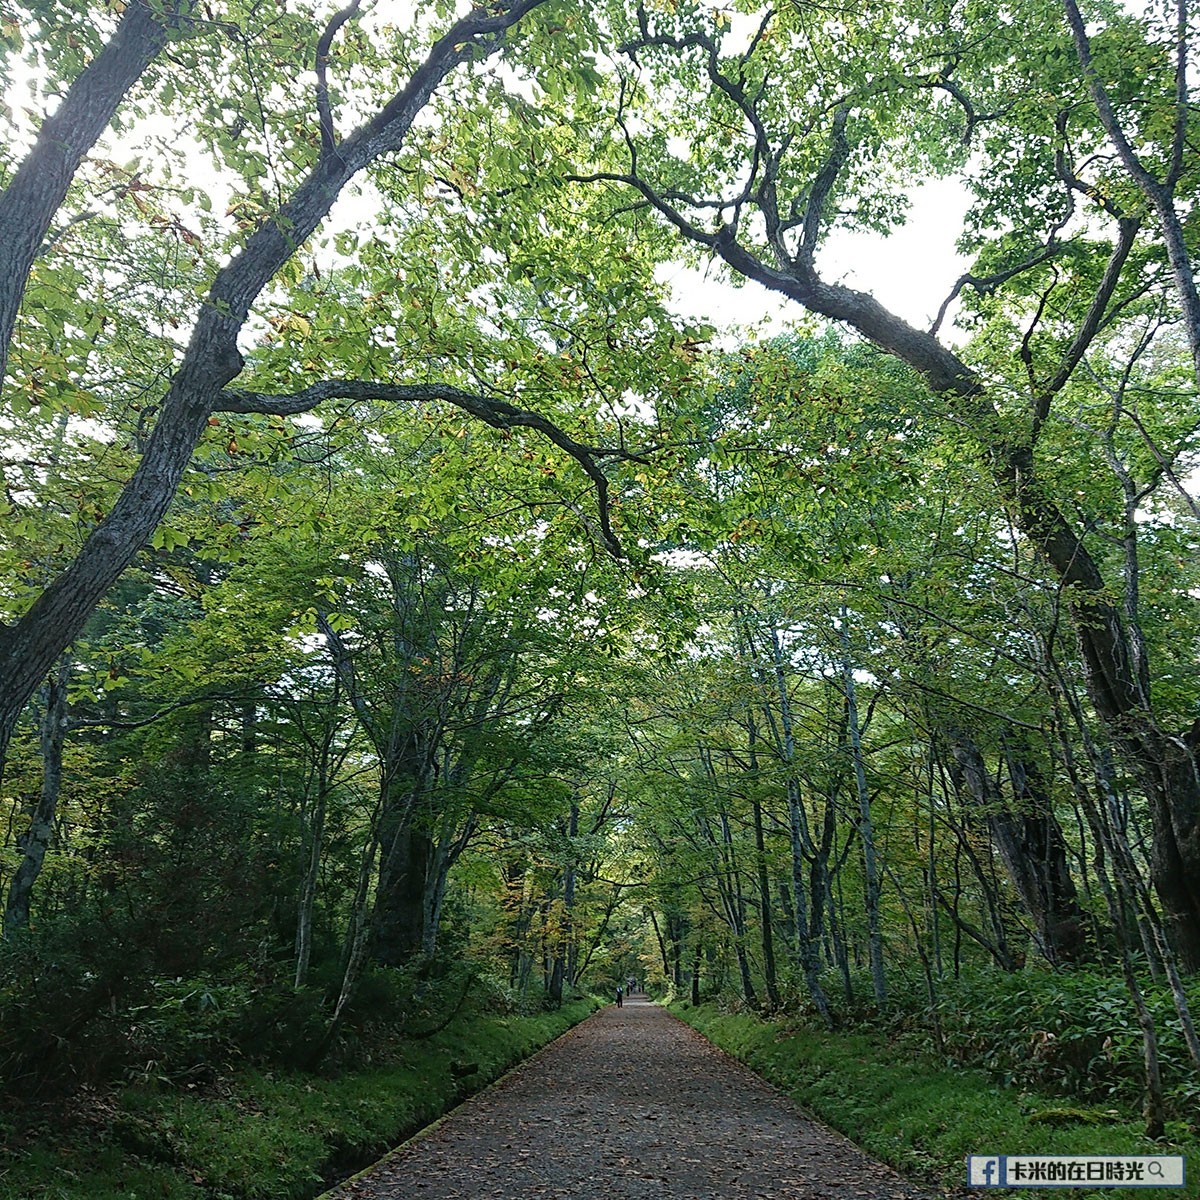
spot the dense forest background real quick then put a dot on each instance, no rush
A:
(404, 607)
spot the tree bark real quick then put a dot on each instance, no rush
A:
(1030, 843)
(807, 925)
(569, 874)
(399, 934)
(35, 841)
(767, 931)
(866, 831)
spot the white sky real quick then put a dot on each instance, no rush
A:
(910, 272)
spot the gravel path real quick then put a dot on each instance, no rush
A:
(629, 1105)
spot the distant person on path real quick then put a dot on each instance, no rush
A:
(620, 994)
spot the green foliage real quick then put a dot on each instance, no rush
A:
(1072, 1031)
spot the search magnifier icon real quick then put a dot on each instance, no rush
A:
(1155, 1169)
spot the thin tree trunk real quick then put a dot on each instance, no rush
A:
(570, 948)
(807, 930)
(308, 883)
(931, 877)
(1128, 877)
(736, 906)
(764, 881)
(930, 987)
(865, 828)
(662, 944)
(35, 841)
(1153, 1109)
(806, 945)
(835, 907)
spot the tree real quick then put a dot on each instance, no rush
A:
(200, 372)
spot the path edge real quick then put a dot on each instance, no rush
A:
(426, 1130)
(928, 1186)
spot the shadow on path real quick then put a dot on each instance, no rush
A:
(629, 1105)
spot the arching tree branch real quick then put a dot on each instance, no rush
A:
(490, 409)
(321, 67)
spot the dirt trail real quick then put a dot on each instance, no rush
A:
(630, 1105)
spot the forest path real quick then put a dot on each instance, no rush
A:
(631, 1104)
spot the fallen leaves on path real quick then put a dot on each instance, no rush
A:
(629, 1105)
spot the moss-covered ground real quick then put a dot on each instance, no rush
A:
(258, 1135)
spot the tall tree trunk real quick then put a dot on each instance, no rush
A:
(399, 934)
(35, 841)
(1030, 844)
(308, 881)
(570, 947)
(767, 931)
(807, 926)
(735, 904)
(355, 949)
(806, 943)
(931, 875)
(442, 856)
(866, 830)
(249, 723)
(662, 944)
(554, 988)
(677, 930)
(835, 910)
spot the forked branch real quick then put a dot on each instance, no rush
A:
(500, 414)
(321, 67)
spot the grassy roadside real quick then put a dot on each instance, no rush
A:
(923, 1117)
(272, 1135)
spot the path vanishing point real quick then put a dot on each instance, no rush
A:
(632, 1104)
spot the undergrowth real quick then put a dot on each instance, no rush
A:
(259, 1134)
(1071, 1032)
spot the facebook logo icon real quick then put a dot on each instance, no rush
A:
(986, 1171)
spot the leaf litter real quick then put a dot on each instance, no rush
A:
(630, 1105)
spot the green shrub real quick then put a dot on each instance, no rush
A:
(64, 992)
(1072, 1031)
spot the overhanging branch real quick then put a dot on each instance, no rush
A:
(490, 409)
